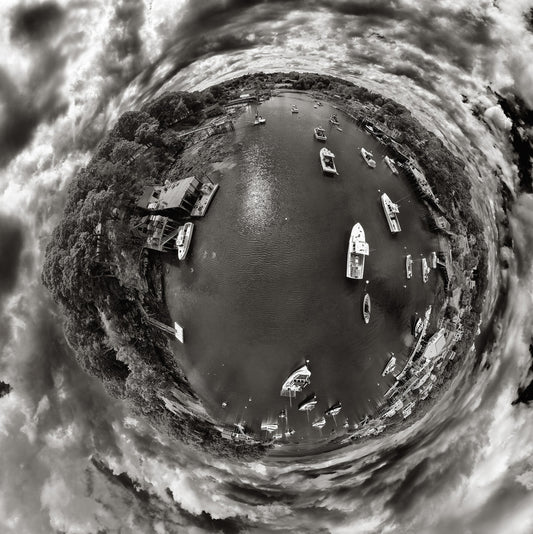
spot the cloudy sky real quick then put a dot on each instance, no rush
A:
(73, 460)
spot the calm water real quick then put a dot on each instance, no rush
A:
(264, 285)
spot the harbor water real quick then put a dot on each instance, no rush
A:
(263, 288)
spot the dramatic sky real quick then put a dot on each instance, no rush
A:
(75, 461)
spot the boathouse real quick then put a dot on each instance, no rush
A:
(176, 198)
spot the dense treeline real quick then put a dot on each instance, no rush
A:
(97, 271)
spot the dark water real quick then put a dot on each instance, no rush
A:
(264, 286)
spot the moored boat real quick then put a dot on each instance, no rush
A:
(327, 160)
(294, 109)
(319, 423)
(425, 270)
(334, 120)
(408, 266)
(389, 368)
(269, 427)
(183, 239)
(433, 260)
(391, 213)
(308, 403)
(320, 134)
(368, 157)
(366, 308)
(259, 119)
(296, 381)
(333, 410)
(357, 250)
(391, 165)
(418, 327)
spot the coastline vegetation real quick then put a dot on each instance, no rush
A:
(108, 286)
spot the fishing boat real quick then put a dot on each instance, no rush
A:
(408, 266)
(294, 109)
(425, 270)
(319, 423)
(183, 239)
(391, 165)
(334, 120)
(333, 410)
(259, 119)
(389, 368)
(366, 308)
(327, 160)
(308, 403)
(357, 250)
(368, 157)
(296, 381)
(391, 213)
(320, 134)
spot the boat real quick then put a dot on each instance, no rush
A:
(391, 165)
(433, 260)
(320, 134)
(290, 432)
(408, 266)
(357, 250)
(366, 308)
(294, 109)
(333, 410)
(183, 239)
(277, 436)
(368, 157)
(308, 403)
(327, 160)
(269, 427)
(319, 423)
(389, 368)
(369, 128)
(339, 128)
(334, 120)
(425, 270)
(391, 213)
(283, 414)
(259, 119)
(296, 381)
(418, 327)
(408, 410)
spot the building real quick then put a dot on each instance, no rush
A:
(177, 197)
(160, 232)
(435, 345)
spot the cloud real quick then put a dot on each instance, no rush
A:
(11, 243)
(36, 22)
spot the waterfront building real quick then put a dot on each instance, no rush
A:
(177, 197)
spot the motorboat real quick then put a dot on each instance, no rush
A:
(183, 239)
(368, 157)
(357, 250)
(391, 213)
(296, 381)
(408, 266)
(320, 134)
(327, 160)
(390, 163)
(259, 119)
(389, 368)
(334, 120)
(425, 270)
(269, 427)
(366, 308)
(308, 403)
(333, 410)
(319, 423)
(433, 260)
(294, 109)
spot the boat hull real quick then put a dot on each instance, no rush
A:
(357, 250)
(183, 248)
(366, 308)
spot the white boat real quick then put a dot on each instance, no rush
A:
(425, 270)
(339, 128)
(320, 134)
(418, 327)
(308, 403)
(433, 260)
(391, 213)
(357, 250)
(391, 165)
(319, 423)
(333, 410)
(408, 266)
(294, 109)
(389, 368)
(296, 381)
(334, 120)
(259, 119)
(368, 157)
(366, 308)
(183, 239)
(327, 160)
(269, 427)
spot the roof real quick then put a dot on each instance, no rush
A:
(170, 195)
(436, 344)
